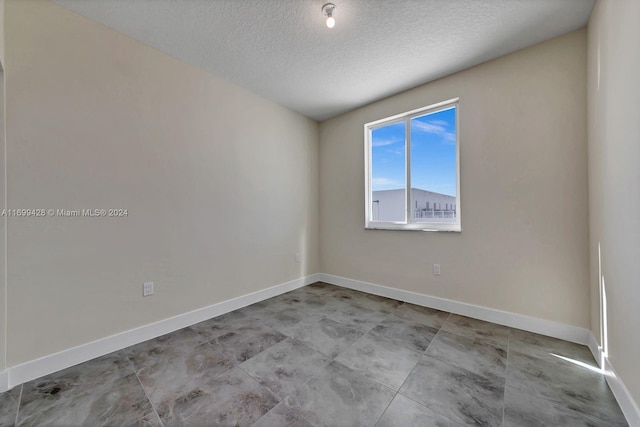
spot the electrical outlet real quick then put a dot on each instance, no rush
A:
(436, 269)
(147, 289)
(298, 258)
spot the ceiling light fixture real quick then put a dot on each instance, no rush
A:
(327, 10)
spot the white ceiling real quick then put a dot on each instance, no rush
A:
(282, 50)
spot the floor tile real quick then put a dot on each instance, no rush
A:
(307, 291)
(359, 317)
(176, 345)
(175, 365)
(243, 343)
(224, 324)
(285, 365)
(409, 334)
(9, 406)
(523, 410)
(458, 394)
(376, 302)
(339, 396)
(294, 330)
(306, 302)
(321, 287)
(380, 359)
(151, 420)
(548, 348)
(365, 300)
(266, 308)
(286, 320)
(488, 332)
(344, 294)
(565, 383)
(424, 315)
(326, 355)
(327, 336)
(230, 399)
(405, 412)
(281, 416)
(471, 354)
(104, 391)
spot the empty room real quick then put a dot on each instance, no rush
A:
(313, 213)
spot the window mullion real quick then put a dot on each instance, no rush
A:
(407, 138)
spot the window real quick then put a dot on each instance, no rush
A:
(412, 170)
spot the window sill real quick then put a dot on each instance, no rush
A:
(414, 227)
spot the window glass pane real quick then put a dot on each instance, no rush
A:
(433, 167)
(388, 172)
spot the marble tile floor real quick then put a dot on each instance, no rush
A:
(327, 356)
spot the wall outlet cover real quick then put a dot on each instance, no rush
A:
(147, 289)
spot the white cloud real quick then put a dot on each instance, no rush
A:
(428, 127)
(383, 142)
(384, 182)
(449, 138)
(435, 127)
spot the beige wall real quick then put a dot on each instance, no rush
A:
(524, 242)
(3, 223)
(614, 179)
(221, 185)
(3, 282)
(2, 32)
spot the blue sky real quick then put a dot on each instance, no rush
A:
(433, 154)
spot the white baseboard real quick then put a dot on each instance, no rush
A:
(627, 404)
(595, 349)
(37, 368)
(513, 320)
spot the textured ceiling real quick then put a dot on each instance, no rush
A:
(282, 50)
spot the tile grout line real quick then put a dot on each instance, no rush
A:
(333, 359)
(450, 364)
(475, 338)
(359, 338)
(389, 404)
(563, 407)
(155, 411)
(267, 389)
(303, 383)
(362, 374)
(396, 392)
(233, 364)
(430, 409)
(406, 379)
(19, 402)
(258, 382)
(283, 400)
(506, 372)
(296, 413)
(292, 411)
(424, 353)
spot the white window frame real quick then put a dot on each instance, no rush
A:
(407, 224)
